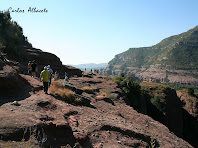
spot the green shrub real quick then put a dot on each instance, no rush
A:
(131, 88)
(160, 103)
(155, 95)
(110, 95)
(12, 37)
(190, 91)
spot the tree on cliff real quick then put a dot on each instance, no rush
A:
(11, 36)
(131, 88)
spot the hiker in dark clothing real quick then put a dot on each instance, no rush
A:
(34, 68)
(29, 68)
(66, 79)
(3, 57)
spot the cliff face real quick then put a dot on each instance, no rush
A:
(190, 115)
(177, 110)
(172, 60)
(164, 106)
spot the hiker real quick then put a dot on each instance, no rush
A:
(66, 77)
(29, 68)
(56, 75)
(44, 77)
(51, 73)
(2, 56)
(34, 68)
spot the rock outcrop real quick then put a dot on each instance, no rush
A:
(44, 58)
(11, 84)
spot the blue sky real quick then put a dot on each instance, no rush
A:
(94, 31)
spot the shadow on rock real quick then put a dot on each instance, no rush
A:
(76, 100)
(151, 141)
(190, 128)
(14, 89)
(46, 135)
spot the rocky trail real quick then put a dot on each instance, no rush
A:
(41, 120)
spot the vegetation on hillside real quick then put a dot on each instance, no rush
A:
(155, 95)
(177, 52)
(132, 90)
(178, 86)
(135, 91)
(145, 97)
(12, 38)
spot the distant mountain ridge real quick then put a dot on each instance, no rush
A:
(163, 61)
(91, 66)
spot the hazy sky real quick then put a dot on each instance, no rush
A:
(94, 31)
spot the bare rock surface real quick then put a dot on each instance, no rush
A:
(43, 121)
(34, 82)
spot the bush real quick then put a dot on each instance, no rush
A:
(131, 88)
(160, 103)
(12, 37)
(190, 91)
(110, 95)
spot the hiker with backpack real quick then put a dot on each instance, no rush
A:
(51, 73)
(29, 68)
(44, 77)
(66, 79)
(34, 68)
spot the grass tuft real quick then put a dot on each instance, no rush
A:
(103, 94)
(88, 90)
(58, 89)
